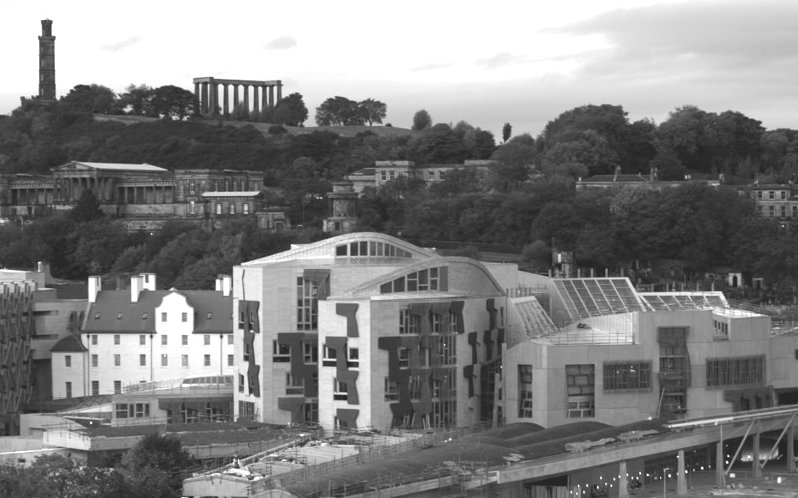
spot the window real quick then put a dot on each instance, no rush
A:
(184, 317)
(232, 208)
(219, 208)
(391, 390)
(294, 385)
(119, 316)
(97, 315)
(95, 361)
(94, 339)
(207, 360)
(231, 361)
(164, 340)
(145, 315)
(117, 360)
(330, 357)
(247, 351)
(207, 339)
(627, 376)
(307, 304)
(231, 339)
(95, 388)
(143, 360)
(453, 321)
(738, 371)
(408, 322)
(414, 386)
(404, 358)
(340, 390)
(771, 194)
(281, 352)
(447, 350)
(353, 360)
(163, 316)
(245, 207)
(164, 360)
(209, 315)
(184, 361)
(525, 391)
(68, 389)
(241, 383)
(68, 361)
(580, 381)
(435, 320)
(184, 340)
(311, 353)
(142, 340)
(117, 387)
(116, 339)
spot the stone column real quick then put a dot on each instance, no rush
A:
(226, 100)
(246, 96)
(623, 480)
(720, 469)
(197, 97)
(214, 95)
(255, 105)
(271, 96)
(204, 99)
(279, 92)
(235, 95)
(681, 477)
(264, 101)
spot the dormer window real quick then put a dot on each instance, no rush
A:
(119, 316)
(145, 315)
(209, 316)
(97, 315)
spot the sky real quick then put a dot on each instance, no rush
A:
(522, 62)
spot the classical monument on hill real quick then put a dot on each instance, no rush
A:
(47, 62)
(206, 93)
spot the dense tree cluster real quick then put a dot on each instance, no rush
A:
(153, 468)
(341, 111)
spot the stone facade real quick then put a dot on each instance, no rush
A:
(143, 195)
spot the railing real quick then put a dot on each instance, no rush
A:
(366, 454)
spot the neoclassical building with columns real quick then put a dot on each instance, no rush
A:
(144, 196)
(206, 93)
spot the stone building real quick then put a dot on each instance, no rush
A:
(144, 196)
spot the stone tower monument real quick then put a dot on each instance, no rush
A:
(47, 61)
(343, 208)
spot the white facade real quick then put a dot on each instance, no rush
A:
(146, 336)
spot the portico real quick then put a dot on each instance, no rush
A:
(206, 92)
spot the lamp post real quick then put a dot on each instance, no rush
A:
(665, 481)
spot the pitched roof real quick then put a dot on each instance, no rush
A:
(113, 312)
(114, 166)
(68, 344)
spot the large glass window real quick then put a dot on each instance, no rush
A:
(735, 371)
(627, 376)
(307, 304)
(580, 381)
(525, 391)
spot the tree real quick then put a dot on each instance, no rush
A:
(339, 111)
(290, 111)
(421, 120)
(374, 111)
(507, 130)
(137, 100)
(91, 98)
(173, 101)
(156, 462)
(87, 208)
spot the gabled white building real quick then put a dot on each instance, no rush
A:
(143, 335)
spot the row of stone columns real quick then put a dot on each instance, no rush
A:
(70, 189)
(263, 96)
(146, 195)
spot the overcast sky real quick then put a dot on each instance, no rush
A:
(485, 62)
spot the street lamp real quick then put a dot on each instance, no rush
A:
(665, 481)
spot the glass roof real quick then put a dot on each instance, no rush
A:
(585, 297)
(684, 301)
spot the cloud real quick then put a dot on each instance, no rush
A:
(115, 47)
(281, 43)
(431, 66)
(500, 60)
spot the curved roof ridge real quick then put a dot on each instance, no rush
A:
(362, 290)
(298, 251)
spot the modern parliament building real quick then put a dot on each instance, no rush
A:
(366, 331)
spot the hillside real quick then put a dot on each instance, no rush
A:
(344, 131)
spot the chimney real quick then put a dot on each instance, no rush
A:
(227, 285)
(149, 281)
(136, 285)
(95, 286)
(218, 286)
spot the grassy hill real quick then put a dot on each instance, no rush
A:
(344, 131)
